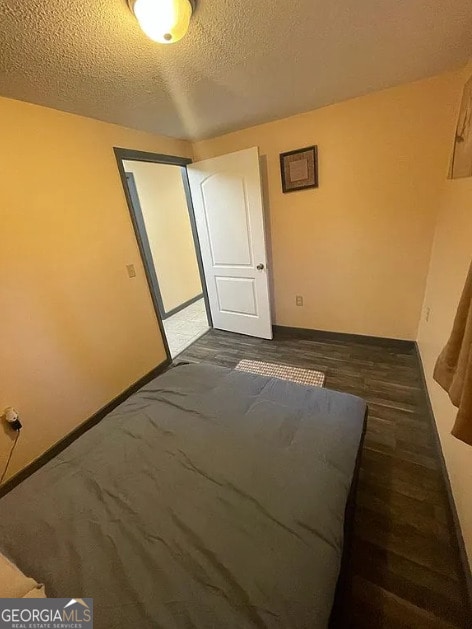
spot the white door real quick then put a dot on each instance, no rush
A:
(227, 200)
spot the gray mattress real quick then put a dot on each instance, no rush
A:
(209, 499)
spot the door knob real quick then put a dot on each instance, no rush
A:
(260, 267)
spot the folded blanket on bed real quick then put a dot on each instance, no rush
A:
(14, 584)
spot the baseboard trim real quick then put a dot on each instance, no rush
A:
(455, 523)
(189, 302)
(81, 429)
(324, 335)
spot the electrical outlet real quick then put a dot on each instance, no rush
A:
(131, 270)
(10, 415)
(427, 314)
(299, 300)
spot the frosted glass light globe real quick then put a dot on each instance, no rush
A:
(163, 21)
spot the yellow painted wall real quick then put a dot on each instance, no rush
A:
(357, 249)
(451, 256)
(75, 330)
(165, 212)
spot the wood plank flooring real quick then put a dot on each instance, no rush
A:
(405, 569)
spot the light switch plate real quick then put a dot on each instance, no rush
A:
(131, 270)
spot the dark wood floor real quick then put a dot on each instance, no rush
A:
(405, 566)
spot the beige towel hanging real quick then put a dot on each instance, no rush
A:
(453, 369)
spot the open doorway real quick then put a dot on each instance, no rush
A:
(224, 214)
(158, 200)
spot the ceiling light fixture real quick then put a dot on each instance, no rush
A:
(163, 21)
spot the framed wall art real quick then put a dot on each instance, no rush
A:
(299, 169)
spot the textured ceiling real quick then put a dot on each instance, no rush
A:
(242, 62)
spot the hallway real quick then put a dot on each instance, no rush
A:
(186, 326)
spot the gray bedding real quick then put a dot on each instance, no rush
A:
(210, 499)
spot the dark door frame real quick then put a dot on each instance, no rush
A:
(139, 227)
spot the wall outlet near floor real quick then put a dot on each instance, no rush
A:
(427, 314)
(131, 270)
(299, 300)
(10, 415)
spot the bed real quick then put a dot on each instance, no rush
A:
(210, 498)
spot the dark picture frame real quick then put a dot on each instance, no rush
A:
(299, 169)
